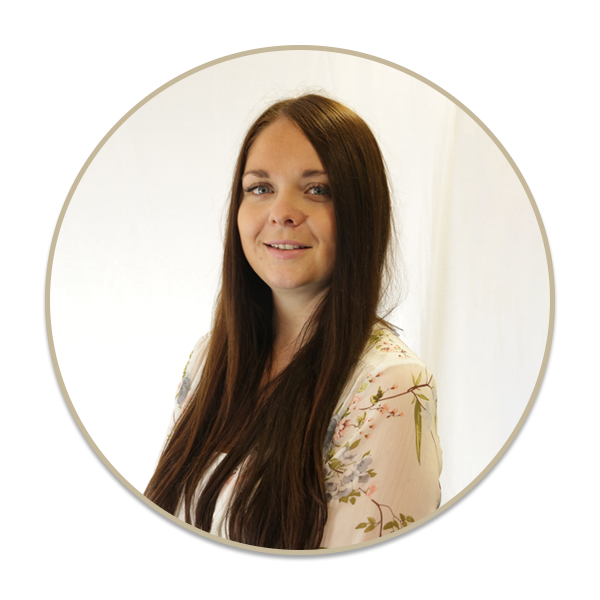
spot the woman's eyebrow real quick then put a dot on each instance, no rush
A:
(305, 174)
(259, 173)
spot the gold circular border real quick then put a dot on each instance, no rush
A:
(321, 49)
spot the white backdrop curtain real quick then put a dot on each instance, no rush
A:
(137, 261)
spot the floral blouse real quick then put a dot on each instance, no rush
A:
(382, 457)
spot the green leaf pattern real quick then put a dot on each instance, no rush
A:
(354, 490)
(350, 474)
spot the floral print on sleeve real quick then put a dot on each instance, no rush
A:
(189, 380)
(381, 452)
(383, 459)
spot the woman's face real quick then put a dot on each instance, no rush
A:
(286, 218)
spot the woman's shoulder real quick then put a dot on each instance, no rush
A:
(200, 349)
(385, 348)
(386, 357)
(192, 369)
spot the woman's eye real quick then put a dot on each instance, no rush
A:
(319, 190)
(259, 190)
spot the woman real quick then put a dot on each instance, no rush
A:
(302, 421)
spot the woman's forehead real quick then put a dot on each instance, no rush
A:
(282, 146)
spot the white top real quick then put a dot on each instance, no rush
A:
(382, 456)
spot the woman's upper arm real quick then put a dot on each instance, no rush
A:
(187, 384)
(384, 459)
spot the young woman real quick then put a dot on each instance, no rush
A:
(302, 421)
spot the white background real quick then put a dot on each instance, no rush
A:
(138, 258)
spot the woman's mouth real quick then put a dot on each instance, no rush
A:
(287, 246)
(286, 251)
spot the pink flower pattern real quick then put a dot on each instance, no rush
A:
(346, 473)
(360, 421)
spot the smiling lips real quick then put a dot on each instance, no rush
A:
(286, 245)
(286, 249)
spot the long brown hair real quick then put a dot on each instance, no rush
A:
(276, 432)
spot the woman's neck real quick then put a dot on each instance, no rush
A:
(291, 311)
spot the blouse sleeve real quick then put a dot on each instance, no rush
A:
(384, 460)
(188, 383)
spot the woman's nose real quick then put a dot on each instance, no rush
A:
(285, 210)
